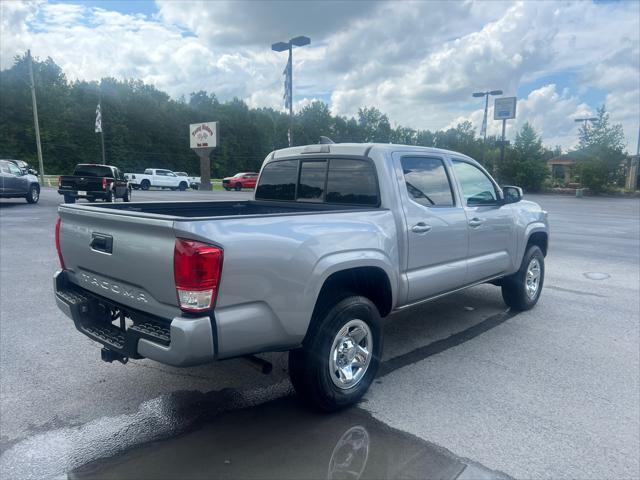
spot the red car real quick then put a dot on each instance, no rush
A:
(240, 181)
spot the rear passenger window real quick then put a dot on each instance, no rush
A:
(351, 182)
(311, 186)
(278, 181)
(427, 181)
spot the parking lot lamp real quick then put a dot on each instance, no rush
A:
(300, 41)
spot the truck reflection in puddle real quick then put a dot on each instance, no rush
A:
(281, 439)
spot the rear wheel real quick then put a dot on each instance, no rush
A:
(127, 195)
(238, 187)
(145, 184)
(109, 196)
(521, 290)
(34, 194)
(340, 355)
(69, 199)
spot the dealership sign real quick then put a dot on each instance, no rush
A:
(203, 135)
(504, 108)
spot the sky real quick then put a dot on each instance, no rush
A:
(418, 62)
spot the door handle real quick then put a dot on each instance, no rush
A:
(421, 228)
(475, 222)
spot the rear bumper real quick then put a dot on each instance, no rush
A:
(92, 194)
(180, 342)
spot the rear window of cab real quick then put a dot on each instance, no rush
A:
(343, 181)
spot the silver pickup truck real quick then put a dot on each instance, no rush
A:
(336, 237)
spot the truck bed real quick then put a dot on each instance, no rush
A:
(224, 208)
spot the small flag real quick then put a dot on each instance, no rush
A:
(98, 119)
(287, 84)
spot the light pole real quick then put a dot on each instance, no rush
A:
(483, 130)
(35, 117)
(288, 72)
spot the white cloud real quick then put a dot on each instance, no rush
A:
(416, 61)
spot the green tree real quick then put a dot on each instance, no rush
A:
(525, 164)
(600, 153)
(461, 139)
(374, 124)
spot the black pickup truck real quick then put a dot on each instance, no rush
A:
(93, 181)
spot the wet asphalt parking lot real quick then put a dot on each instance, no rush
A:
(466, 390)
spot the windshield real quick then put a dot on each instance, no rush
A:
(92, 171)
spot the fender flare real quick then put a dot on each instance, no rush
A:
(533, 227)
(336, 262)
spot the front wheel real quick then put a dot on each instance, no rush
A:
(108, 197)
(34, 194)
(521, 290)
(182, 186)
(340, 355)
(145, 185)
(238, 187)
(69, 199)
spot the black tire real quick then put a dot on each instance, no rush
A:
(108, 197)
(34, 194)
(183, 186)
(514, 288)
(238, 187)
(309, 366)
(145, 184)
(227, 188)
(194, 186)
(69, 199)
(127, 195)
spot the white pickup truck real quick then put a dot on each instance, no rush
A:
(157, 177)
(194, 182)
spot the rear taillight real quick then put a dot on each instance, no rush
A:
(58, 225)
(59, 182)
(104, 183)
(196, 269)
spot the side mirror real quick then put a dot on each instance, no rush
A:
(31, 171)
(511, 194)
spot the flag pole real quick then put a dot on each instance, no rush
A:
(99, 112)
(104, 162)
(35, 118)
(290, 94)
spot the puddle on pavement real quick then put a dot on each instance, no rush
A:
(284, 440)
(596, 275)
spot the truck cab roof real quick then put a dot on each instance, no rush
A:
(355, 149)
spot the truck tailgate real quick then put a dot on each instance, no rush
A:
(126, 259)
(88, 184)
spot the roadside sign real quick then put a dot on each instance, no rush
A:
(203, 138)
(504, 108)
(203, 135)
